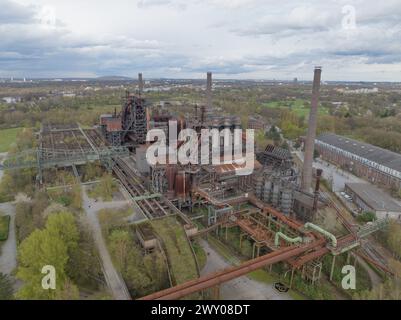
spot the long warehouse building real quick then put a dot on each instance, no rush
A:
(377, 165)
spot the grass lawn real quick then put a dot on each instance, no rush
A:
(8, 137)
(200, 255)
(298, 106)
(4, 224)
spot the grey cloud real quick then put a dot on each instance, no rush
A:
(11, 12)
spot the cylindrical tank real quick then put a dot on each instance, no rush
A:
(267, 191)
(227, 122)
(182, 184)
(170, 173)
(286, 201)
(276, 196)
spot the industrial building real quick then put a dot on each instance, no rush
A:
(371, 199)
(268, 206)
(256, 123)
(377, 165)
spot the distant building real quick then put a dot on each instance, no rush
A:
(10, 100)
(377, 165)
(69, 95)
(371, 199)
(358, 91)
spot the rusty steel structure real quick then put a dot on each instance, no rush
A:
(261, 205)
(133, 120)
(228, 274)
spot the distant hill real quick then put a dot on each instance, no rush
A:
(113, 78)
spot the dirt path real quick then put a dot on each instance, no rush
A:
(113, 278)
(242, 288)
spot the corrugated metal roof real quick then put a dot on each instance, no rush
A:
(375, 198)
(231, 168)
(370, 152)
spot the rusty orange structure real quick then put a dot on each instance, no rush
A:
(228, 274)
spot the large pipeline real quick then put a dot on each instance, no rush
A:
(327, 234)
(286, 238)
(228, 274)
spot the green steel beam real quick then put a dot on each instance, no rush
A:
(47, 158)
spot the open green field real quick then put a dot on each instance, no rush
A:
(7, 138)
(299, 106)
(4, 225)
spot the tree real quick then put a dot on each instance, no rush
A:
(6, 289)
(105, 188)
(38, 250)
(50, 246)
(394, 238)
(389, 290)
(76, 195)
(63, 226)
(119, 245)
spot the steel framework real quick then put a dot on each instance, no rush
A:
(43, 158)
(134, 122)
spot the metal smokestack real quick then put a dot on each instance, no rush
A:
(140, 83)
(209, 92)
(317, 188)
(310, 138)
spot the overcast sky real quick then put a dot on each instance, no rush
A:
(244, 39)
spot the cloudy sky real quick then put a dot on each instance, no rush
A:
(238, 39)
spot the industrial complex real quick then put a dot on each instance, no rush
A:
(276, 206)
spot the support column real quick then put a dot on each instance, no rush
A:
(332, 268)
(292, 277)
(216, 293)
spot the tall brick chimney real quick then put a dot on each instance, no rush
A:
(209, 91)
(140, 83)
(310, 138)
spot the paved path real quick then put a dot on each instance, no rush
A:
(242, 288)
(113, 278)
(332, 173)
(8, 257)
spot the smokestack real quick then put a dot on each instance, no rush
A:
(317, 188)
(310, 138)
(209, 91)
(140, 83)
